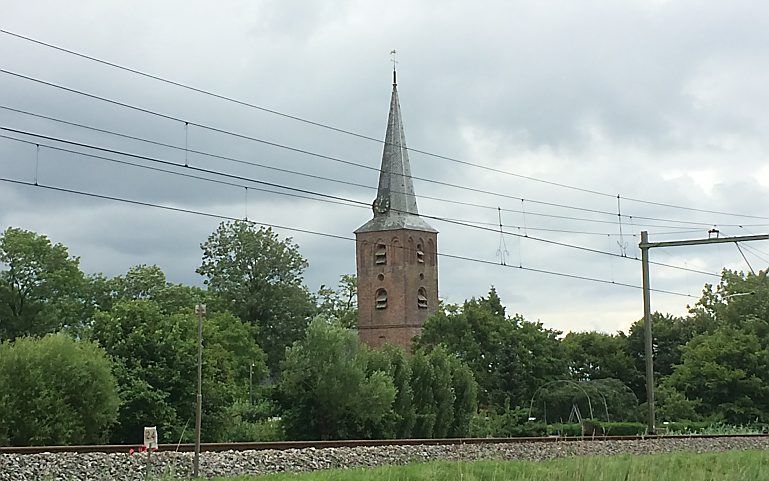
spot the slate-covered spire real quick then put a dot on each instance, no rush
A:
(395, 174)
(395, 206)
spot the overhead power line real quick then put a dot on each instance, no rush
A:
(293, 195)
(357, 134)
(338, 198)
(339, 181)
(181, 174)
(323, 234)
(299, 150)
(336, 159)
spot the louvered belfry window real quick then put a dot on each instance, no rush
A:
(422, 298)
(420, 254)
(380, 254)
(381, 299)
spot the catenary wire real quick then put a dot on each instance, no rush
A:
(258, 189)
(350, 132)
(318, 177)
(181, 174)
(339, 160)
(286, 147)
(757, 253)
(338, 198)
(324, 234)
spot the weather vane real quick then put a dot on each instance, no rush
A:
(395, 63)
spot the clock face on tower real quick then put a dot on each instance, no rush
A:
(382, 205)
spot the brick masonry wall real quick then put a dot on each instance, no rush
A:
(401, 277)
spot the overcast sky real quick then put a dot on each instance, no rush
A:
(664, 101)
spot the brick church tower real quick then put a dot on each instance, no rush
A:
(396, 251)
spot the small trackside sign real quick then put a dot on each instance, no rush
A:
(151, 437)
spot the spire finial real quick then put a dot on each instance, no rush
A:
(395, 63)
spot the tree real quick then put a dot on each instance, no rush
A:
(340, 304)
(595, 355)
(425, 406)
(40, 288)
(392, 360)
(726, 373)
(258, 277)
(672, 405)
(465, 397)
(740, 300)
(443, 391)
(156, 357)
(55, 390)
(509, 356)
(325, 390)
(669, 335)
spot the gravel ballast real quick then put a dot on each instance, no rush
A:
(127, 467)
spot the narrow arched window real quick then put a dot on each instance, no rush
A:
(381, 299)
(380, 254)
(431, 254)
(420, 254)
(422, 298)
(395, 254)
(364, 249)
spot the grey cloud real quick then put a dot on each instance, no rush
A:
(660, 101)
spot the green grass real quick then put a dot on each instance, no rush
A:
(729, 466)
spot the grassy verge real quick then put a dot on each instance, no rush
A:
(729, 466)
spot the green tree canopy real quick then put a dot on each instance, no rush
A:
(156, 356)
(509, 356)
(340, 304)
(670, 334)
(721, 363)
(55, 390)
(148, 282)
(258, 277)
(595, 355)
(399, 423)
(465, 397)
(41, 286)
(325, 389)
(739, 300)
(727, 373)
(425, 405)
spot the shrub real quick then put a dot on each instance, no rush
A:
(508, 423)
(565, 429)
(624, 429)
(55, 390)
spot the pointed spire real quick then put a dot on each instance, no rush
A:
(395, 182)
(395, 206)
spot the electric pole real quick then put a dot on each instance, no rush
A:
(648, 351)
(645, 245)
(200, 310)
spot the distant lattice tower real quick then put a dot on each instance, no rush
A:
(396, 251)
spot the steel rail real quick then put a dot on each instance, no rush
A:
(285, 445)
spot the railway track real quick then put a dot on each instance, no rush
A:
(285, 445)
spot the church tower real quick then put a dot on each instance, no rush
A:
(396, 251)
